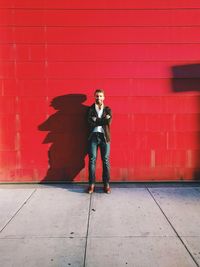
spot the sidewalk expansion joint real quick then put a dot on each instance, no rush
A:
(18, 210)
(88, 223)
(179, 237)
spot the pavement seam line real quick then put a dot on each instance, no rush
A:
(88, 222)
(179, 237)
(18, 210)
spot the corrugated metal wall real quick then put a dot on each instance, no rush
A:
(144, 54)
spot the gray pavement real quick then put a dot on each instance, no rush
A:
(137, 225)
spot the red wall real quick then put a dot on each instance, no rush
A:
(144, 54)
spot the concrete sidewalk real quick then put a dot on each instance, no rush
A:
(137, 225)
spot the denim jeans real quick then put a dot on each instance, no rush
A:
(98, 140)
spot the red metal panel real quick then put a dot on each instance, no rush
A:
(7, 34)
(185, 104)
(7, 52)
(193, 158)
(34, 17)
(30, 35)
(114, 87)
(158, 122)
(89, 4)
(8, 104)
(144, 54)
(186, 122)
(7, 141)
(167, 158)
(30, 52)
(119, 52)
(32, 88)
(99, 70)
(7, 70)
(140, 158)
(8, 165)
(13, 87)
(33, 105)
(9, 87)
(183, 140)
(115, 35)
(6, 17)
(22, 4)
(32, 70)
(8, 135)
(122, 5)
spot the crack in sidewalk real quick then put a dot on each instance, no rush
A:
(12, 217)
(179, 237)
(88, 223)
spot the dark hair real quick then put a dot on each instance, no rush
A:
(99, 91)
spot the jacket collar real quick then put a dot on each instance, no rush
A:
(93, 106)
(96, 106)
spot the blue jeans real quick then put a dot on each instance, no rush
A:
(98, 140)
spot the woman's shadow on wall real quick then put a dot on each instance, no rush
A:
(68, 137)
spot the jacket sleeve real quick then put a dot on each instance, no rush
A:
(90, 121)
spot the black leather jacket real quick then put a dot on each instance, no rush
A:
(105, 123)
